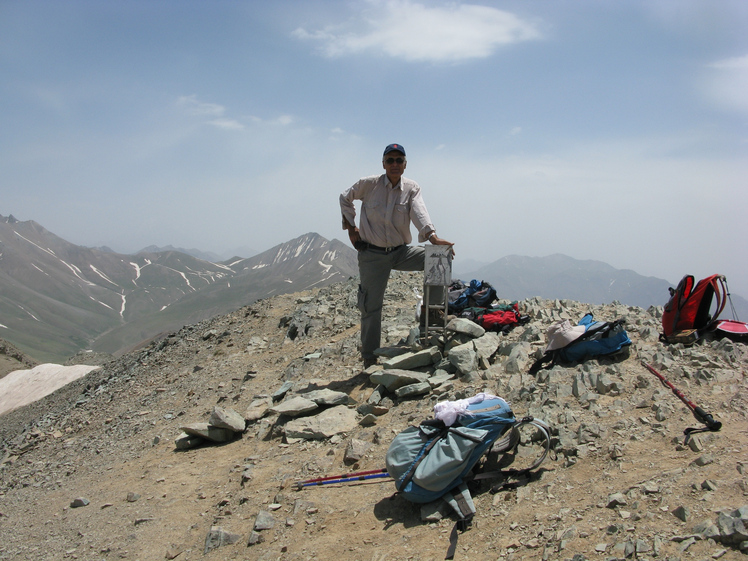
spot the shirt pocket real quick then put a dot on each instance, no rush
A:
(401, 216)
(375, 210)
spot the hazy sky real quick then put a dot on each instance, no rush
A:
(615, 131)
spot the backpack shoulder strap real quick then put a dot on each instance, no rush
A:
(462, 503)
(678, 298)
(422, 455)
(720, 293)
(548, 356)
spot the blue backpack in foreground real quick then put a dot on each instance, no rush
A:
(433, 461)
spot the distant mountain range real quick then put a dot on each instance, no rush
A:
(204, 255)
(559, 276)
(57, 298)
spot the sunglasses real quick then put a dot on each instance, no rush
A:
(394, 160)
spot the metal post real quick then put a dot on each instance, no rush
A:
(437, 272)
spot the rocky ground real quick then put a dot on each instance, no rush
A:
(12, 359)
(93, 472)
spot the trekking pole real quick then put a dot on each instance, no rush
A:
(344, 478)
(701, 415)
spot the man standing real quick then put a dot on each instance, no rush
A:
(389, 203)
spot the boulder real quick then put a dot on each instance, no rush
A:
(227, 419)
(217, 537)
(465, 326)
(394, 379)
(409, 361)
(487, 345)
(209, 432)
(295, 406)
(413, 390)
(326, 396)
(258, 409)
(464, 358)
(336, 420)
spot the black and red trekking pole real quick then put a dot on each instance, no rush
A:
(344, 478)
(701, 415)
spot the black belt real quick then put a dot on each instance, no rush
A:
(367, 245)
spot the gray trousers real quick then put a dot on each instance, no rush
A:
(374, 268)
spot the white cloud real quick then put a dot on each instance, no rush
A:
(228, 124)
(417, 32)
(726, 83)
(191, 105)
(212, 112)
(739, 62)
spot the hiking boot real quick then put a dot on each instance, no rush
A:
(370, 361)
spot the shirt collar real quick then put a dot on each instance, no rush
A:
(388, 183)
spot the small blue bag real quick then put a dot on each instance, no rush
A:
(476, 294)
(599, 338)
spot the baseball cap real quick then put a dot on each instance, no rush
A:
(394, 148)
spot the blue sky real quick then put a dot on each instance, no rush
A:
(615, 131)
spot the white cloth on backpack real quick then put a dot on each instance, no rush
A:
(561, 333)
(449, 411)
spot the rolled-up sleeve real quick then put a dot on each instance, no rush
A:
(347, 209)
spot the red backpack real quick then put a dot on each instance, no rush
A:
(689, 306)
(498, 319)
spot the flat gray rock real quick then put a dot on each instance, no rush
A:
(283, 390)
(208, 432)
(464, 358)
(394, 379)
(218, 537)
(409, 361)
(330, 422)
(438, 379)
(295, 406)
(227, 419)
(187, 441)
(326, 397)
(412, 390)
(258, 409)
(264, 521)
(465, 326)
(487, 345)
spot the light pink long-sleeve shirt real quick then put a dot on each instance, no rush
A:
(387, 211)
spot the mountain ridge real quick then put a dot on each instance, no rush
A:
(559, 276)
(57, 298)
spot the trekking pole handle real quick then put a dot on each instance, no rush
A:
(707, 419)
(701, 415)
